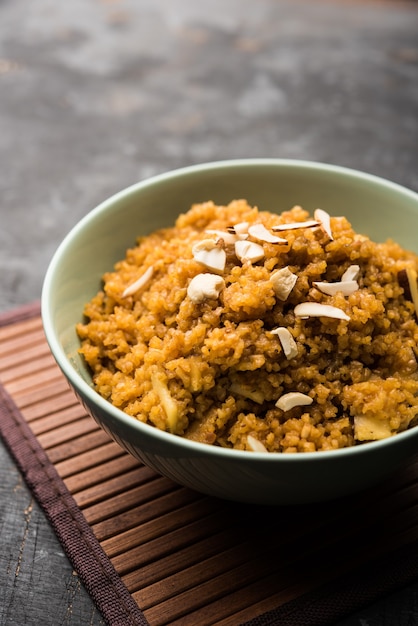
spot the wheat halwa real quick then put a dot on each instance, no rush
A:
(256, 331)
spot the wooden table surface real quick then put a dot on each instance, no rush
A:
(97, 94)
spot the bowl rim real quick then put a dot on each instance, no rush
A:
(198, 448)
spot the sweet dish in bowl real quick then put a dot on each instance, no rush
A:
(260, 435)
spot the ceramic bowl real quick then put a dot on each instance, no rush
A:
(376, 207)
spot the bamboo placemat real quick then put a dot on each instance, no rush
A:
(161, 554)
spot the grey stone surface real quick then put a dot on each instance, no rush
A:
(97, 94)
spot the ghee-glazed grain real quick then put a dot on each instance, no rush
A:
(206, 359)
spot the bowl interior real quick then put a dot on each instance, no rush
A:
(375, 207)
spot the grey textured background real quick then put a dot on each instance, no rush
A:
(98, 94)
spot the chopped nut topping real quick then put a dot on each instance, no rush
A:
(315, 309)
(259, 231)
(255, 445)
(283, 281)
(169, 405)
(205, 286)
(238, 231)
(404, 283)
(288, 343)
(371, 428)
(295, 225)
(408, 280)
(241, 229)
(138, 284)
(351, 273)
(210, 254)
(224, 235)
(293, 398)
(249, 251)
(325, 222)
(346, 287)
(248, 392)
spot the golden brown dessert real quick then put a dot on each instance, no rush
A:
(257, 331)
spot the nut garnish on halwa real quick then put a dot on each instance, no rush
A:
(222, 330)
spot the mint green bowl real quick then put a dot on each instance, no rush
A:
(376, 207)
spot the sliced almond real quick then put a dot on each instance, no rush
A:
(223, 235)
(409, 285)
(138, 284)
(351, 273)
(371, 428)
(210, 254)
(404, 283)
(205, 286)
(255, 445)
(325, 221)
(169, 405)
(316, 309)
(283, 281)
(412, 280)
(248, 392)
(241, 229)
(346, 287)
(249, 251)
(260, 232)
(293, 398)
(288, 343)
(296, 225)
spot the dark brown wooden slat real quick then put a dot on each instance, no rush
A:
(174, 541)
(193, 542)
(155, 503)
(33, 381)
(227, 612)
(68, 431)
(23, 358)
(142, 597)
(238, 608)
(178, 591)
(45, 361)
(21, 348)
(276, 590)
(78, 445)
(186, 605)
(44, 414)
(195, 508)
(61, 418)
(284, 581)
(49, 389)
(115, 485)
(110, 468)
(115, 512)
(219, 591)
(160, 560)
(26, 327)
(84, 461)
(233, 608)
(205, 570)
(229, 568)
